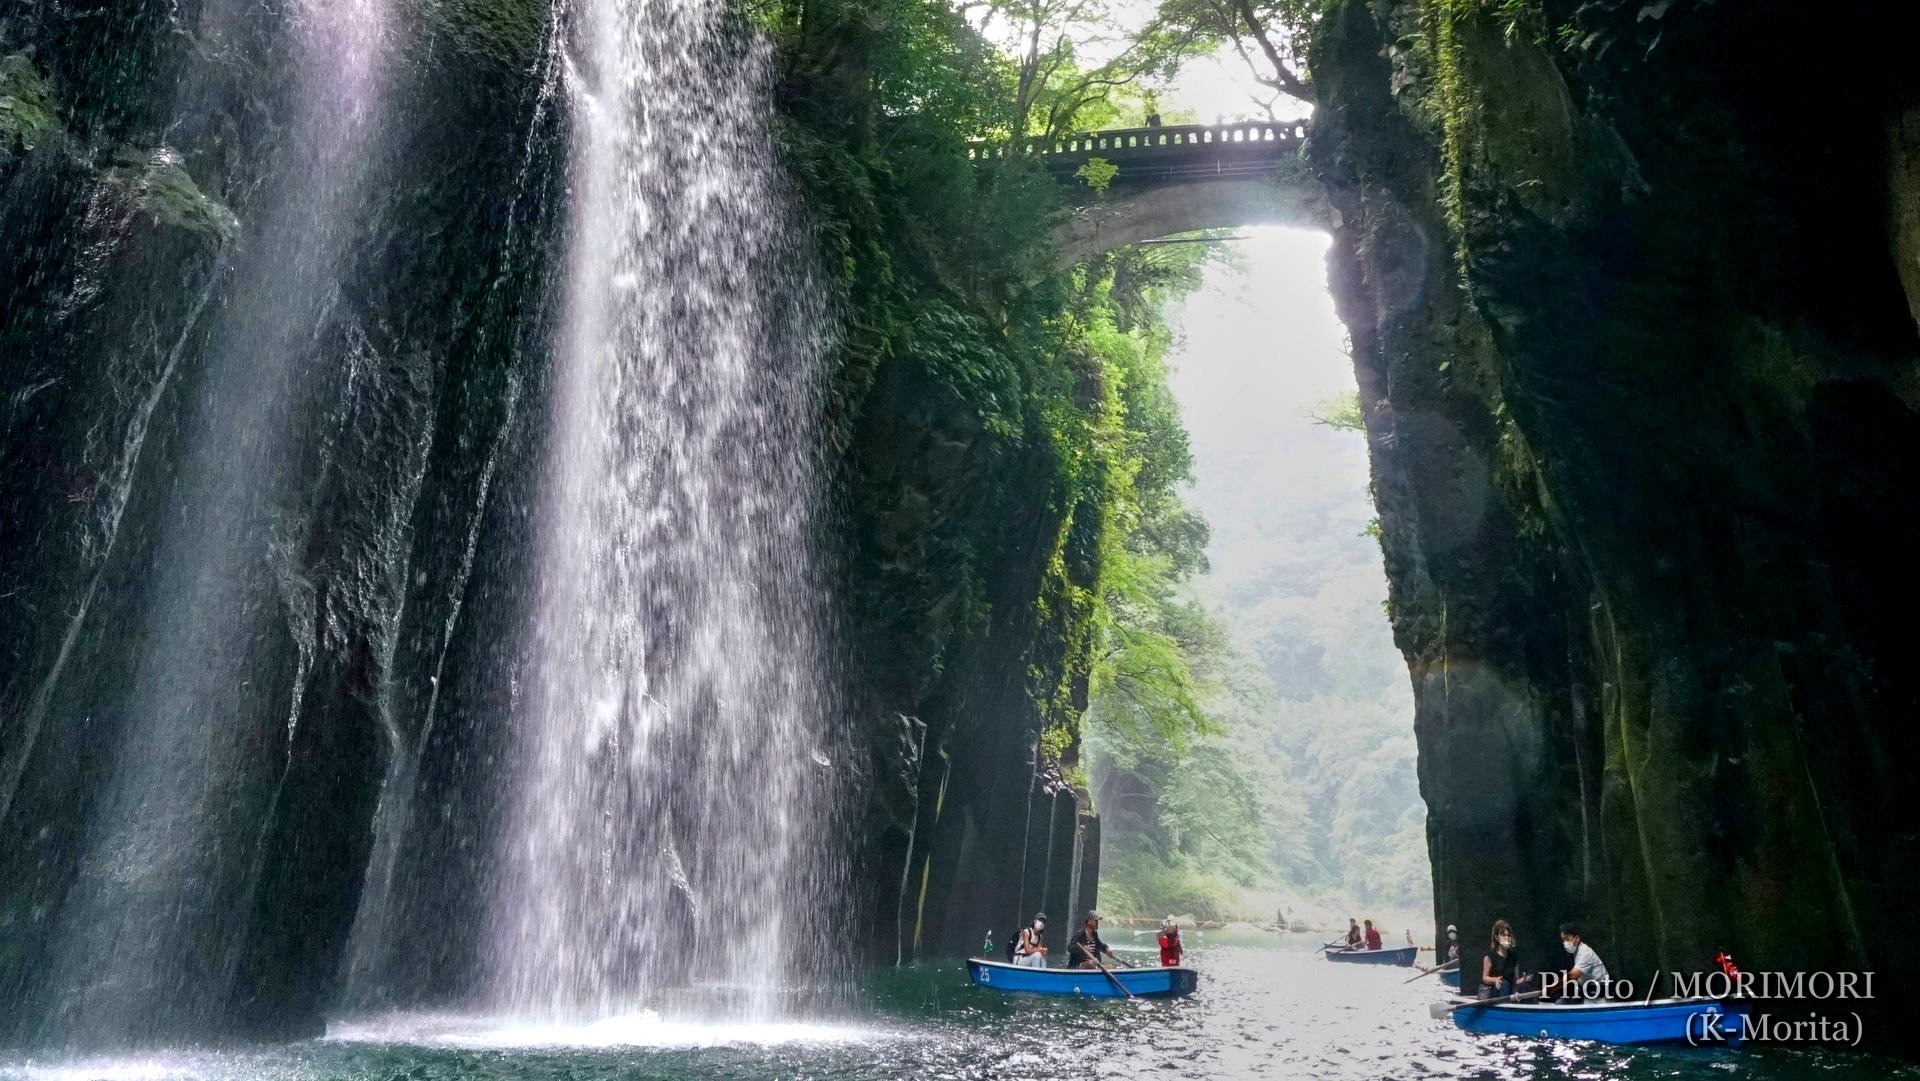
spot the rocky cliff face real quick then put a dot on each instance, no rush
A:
(136, 164)
(962, 572)
(133, 199)
(1630, 288)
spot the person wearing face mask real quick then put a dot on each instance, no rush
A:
(1448, 959)
(1031, 947)
(1587, 966)
(1500, 968)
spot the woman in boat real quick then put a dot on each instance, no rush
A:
(1354, 938)
(1031, 948)
(1500, 968)
(1170, 948)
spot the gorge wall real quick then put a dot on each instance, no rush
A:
(1630, 286)
(382, 564)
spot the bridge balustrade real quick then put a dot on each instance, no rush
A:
(1287, 134)
(1168, 153)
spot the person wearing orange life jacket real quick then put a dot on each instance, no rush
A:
(1170, 948)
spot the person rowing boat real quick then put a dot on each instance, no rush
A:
(1500, 967)
(1086, 947)
(1448, 959)
(1588, 970)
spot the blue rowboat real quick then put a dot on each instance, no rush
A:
(1086, 982)
(1451, 978)
(1402, 956)
(1700, 1021)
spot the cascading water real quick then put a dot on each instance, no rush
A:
(670, 794)
(147, 940)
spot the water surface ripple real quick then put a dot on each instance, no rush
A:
(1263, 1012)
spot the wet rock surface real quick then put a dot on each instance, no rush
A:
(1637, 370)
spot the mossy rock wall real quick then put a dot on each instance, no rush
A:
(1638, 372)
(133, 197)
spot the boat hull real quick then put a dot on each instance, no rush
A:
(1451, 979)
(1403, 956)
(1083, 982)
(1705, 1022)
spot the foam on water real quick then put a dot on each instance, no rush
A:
(142, 1069)
(643, 1029)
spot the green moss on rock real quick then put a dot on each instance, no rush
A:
(29, 112)
(156, 185)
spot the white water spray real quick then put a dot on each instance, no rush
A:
(671, 786)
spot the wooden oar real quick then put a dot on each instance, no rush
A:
(1116, 980)
(1440, 1010)
(1331, 945)
(1450, 966)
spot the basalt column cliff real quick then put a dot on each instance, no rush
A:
(1632, 288)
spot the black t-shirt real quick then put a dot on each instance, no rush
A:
(1506, 968)
(1083, 949)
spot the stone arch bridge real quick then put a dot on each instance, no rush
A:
(1176, 179)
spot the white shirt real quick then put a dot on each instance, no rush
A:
(1589, 964)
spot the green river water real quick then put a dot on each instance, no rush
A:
(1267, 1008)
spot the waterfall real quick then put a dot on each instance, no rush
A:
(670, 789)
(149, 936)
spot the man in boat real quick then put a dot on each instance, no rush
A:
(1030, 949)
(1587, 966)
(1373, 936)
(1170, 948)
(1354, 939)
(1085, 949)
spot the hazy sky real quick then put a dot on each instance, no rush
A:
(1261, 336)
(1260, 348)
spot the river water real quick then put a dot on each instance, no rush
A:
(1267, 1007)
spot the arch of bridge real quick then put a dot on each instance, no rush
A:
(1177, 179)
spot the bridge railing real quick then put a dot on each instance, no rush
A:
(1245, 135)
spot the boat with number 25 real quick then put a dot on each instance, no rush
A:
(1085, 982)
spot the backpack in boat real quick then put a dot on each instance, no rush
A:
(1013, 945)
